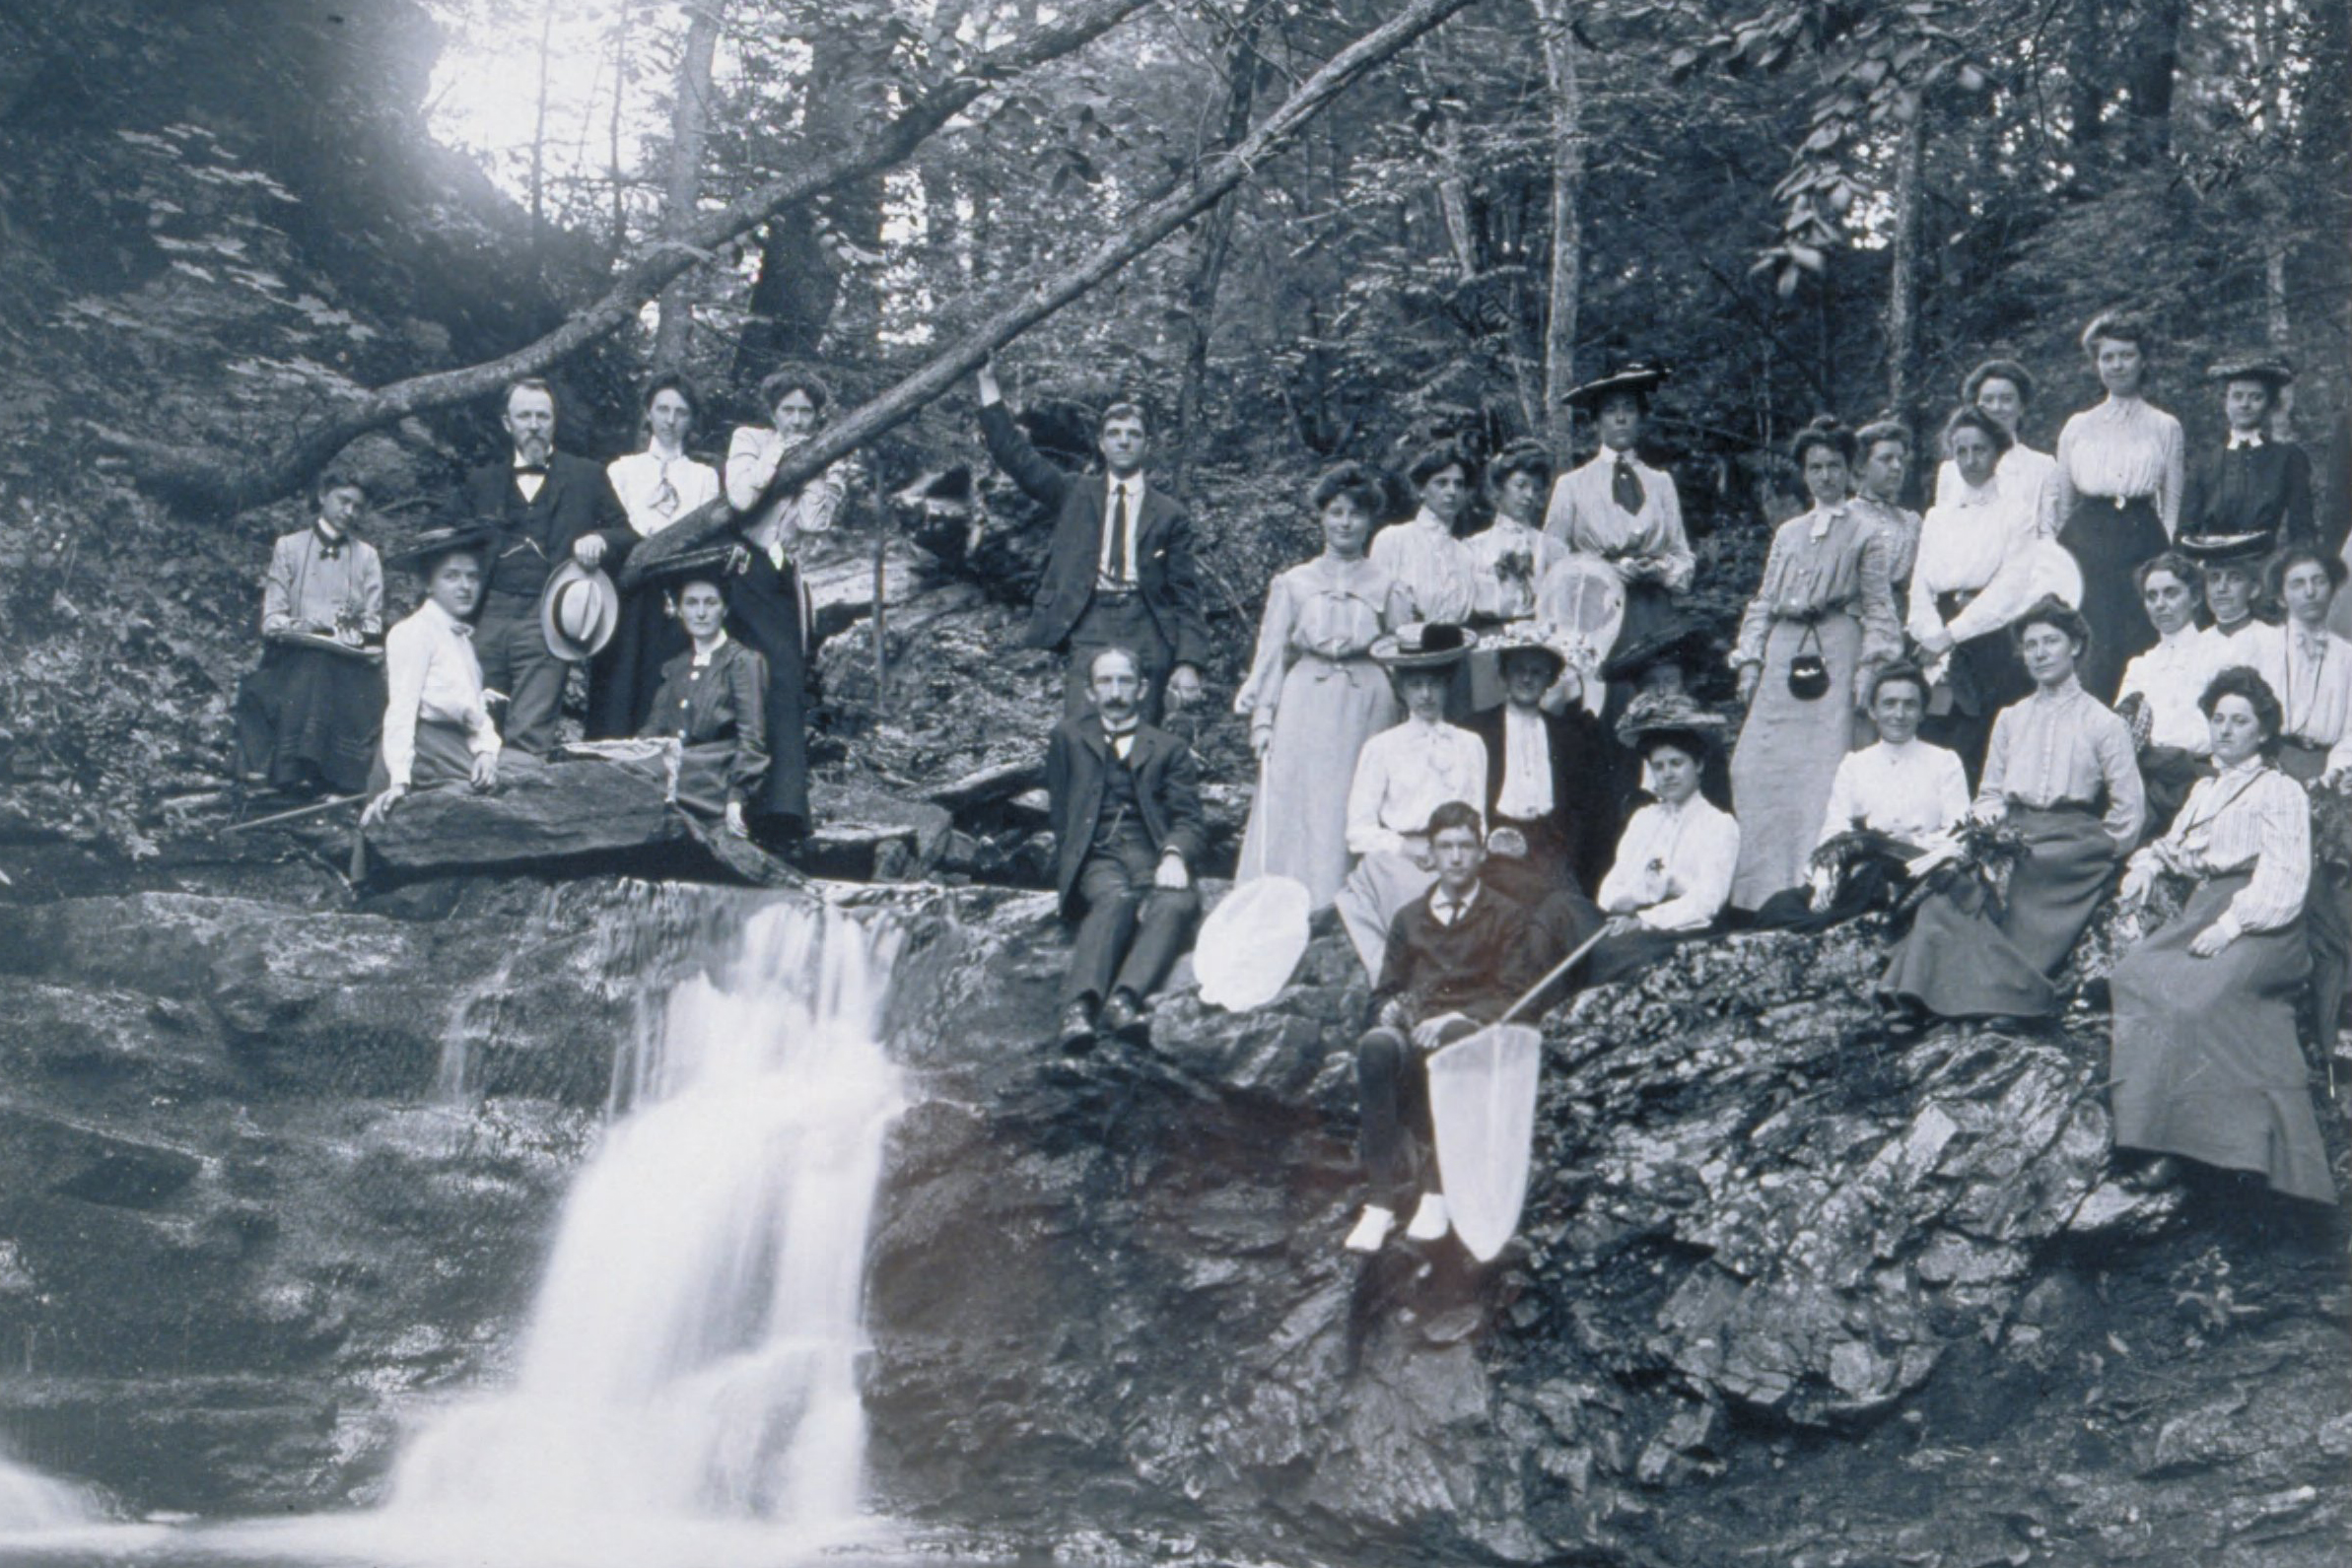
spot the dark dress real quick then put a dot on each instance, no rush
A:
(2265, 488)
(624, 676)
(763, 610)
(718, 713)
(2119, 468)
(308, 718)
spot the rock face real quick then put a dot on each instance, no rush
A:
(275, 1173)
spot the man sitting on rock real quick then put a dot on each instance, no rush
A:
(1457, 957)
(1127, 826)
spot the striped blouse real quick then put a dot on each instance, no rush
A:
(2250, 815)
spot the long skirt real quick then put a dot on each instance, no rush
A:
(307, 718)
(2109, 542)
(1381, 884)
(1985, 676)
(1298, 823)
(1648, 606)
(2326, 911)
(1961, 960)
(763, 608)
(443, 757)
(2205, 1062)
(1787, 758)
(625, 675)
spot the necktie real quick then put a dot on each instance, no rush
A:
(1625, 487)
(1117, 570)
(665, 495)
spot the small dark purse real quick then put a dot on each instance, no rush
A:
(1809, 672)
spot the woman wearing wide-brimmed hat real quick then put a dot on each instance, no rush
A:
(2116, 498)
(1673, 864)
(1313, 695)
(1821, 625)
(712, 698)
(1401, 774)
(437, 727)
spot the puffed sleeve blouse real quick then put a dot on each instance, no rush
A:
(2124, 448)
(1829, 559)
(1330, 609)
(2250, 815)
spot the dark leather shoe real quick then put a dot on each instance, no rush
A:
(1123, 1015)
(1077, 1026)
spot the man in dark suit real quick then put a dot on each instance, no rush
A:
(1121, 572)
(547, 505)
(1127, 828)
(1548, 778)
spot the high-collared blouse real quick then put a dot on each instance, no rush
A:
(1404, 773)
(2170, 678)
(721, 695)
(2311, 670)
(1511, 559)
(658, 488)
(754, 454)
(1528, 787)
(1585, 516)
(432, 673)
(1326, 608)
(2123, 449)
(2250, 815)
(1911, 792)
(1977, 542)
(2022, 473)
(1830, 559)
(1675, 864)
(1901, 527)
(315, 585)
(2065, 746)
(1437, 570)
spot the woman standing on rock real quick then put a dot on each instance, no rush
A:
(1822, 623)
(768, 604)
(2206, 1067)
(656, 487)
(2114, 498)
(2062, 774)
(1886, 452)
(1314, 693)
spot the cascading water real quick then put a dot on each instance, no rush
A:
(693, 1352)
(30, 1502)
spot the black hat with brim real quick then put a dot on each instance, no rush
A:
(2224, 549)
(1676, 641)
(710, 564)
(1660, 716)
(422, 551)
(2272, 372)
(1640, 377)
(1434, 645)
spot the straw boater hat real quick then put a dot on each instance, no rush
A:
(1431, 645)
(1660, 713)
(428, 547)
(2272, 372)
(1680, 641)
(1525, 637)
(578, 611)
(1639, 376)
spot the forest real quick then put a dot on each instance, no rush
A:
(1296, 230)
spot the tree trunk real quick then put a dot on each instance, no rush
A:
(207, 480)
(539, 127)
(612, 131)
(1131, 236)
(1902, 282)
(1215, 242)
(1568, 223)
(2150, 74)
(689, 129)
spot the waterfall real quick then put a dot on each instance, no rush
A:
(693, 1350)
(30, 1502)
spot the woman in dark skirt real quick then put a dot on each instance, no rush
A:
(2116, 498)
(712, 698)
(1674, 862)
(2206, 1067)
(307, 717)
(656, 487)
(2061, 773)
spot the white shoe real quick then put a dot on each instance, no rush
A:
(1428, 1220)
(1371, 1229)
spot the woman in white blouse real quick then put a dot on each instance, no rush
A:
(1674, 862)
(437, 727)
(656, 487)
(2002, 390)
(2206, 1067)
(2114, 498)
(1437, 570)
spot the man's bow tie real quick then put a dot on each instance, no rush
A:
(534, 470)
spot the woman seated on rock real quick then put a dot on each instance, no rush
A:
(2061, 774)
(1890, 801)
(1404, 773)
(306, 718)
(1673, 864)
(2206, 1067)
(713, 697)
(437, 726)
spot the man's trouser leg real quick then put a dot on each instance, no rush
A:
(516, 661)
(1112, 884)
(1391, 1097)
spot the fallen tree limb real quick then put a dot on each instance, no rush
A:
(1134, 234)
(203, 480)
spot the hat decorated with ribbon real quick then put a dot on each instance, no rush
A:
(2270, 370)
(578, 611)
(428, 547)
(2224, 549)
(1659, 715)
(1638, 376)
(1424, 644)
(1527, 637)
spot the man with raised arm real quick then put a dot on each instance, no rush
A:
(1121, 571)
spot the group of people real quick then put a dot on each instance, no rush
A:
(2111, 662)
(707, 648)
(1483, 751)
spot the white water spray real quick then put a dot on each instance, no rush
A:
(693, 1352)
(30, 1502)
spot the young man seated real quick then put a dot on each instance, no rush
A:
(1457, 957)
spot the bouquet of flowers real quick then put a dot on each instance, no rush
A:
(1986, 854)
